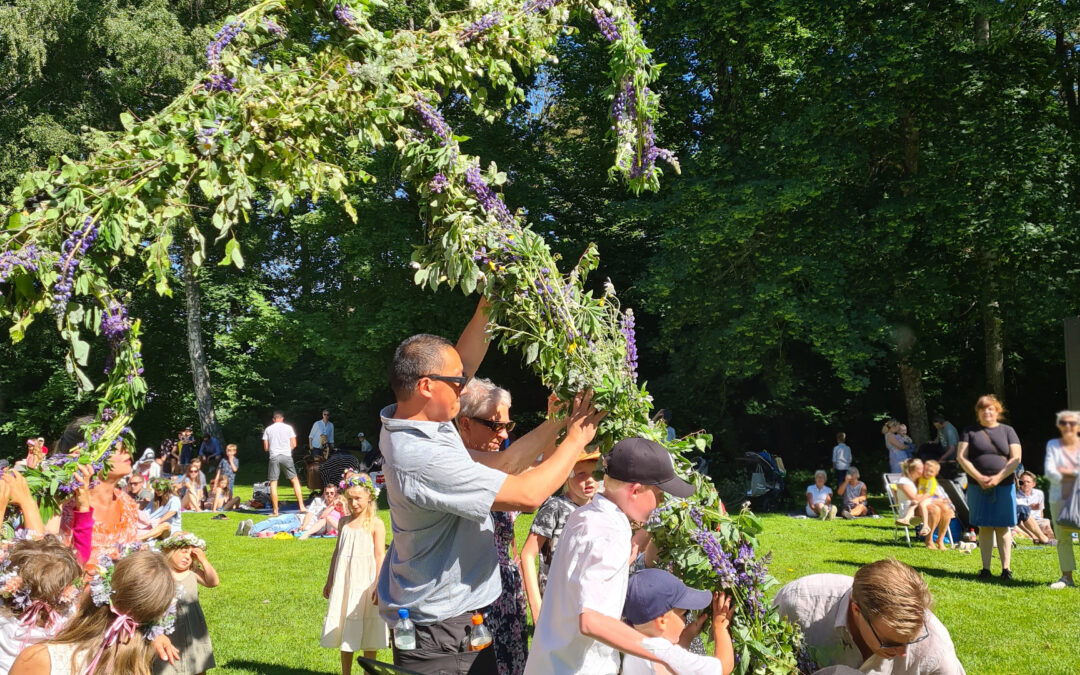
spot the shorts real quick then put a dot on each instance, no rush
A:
(277, 464)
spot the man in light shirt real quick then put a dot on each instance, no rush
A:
(878, 622)
(279, 439)
(321, 432)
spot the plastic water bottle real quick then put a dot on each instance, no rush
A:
(404, 631)
(480, 636)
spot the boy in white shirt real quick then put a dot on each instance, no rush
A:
(841, 458)
(656, 604)
(580, 628)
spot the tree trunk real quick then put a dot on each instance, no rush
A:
(200, 373)
(982, 30)
(918, 421)
(995, 349)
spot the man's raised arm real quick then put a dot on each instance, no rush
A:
(473, 343)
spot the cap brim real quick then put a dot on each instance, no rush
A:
(677, 487)
(694, 599)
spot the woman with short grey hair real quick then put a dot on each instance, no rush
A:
(819, 498)
(853, 493)
(484, 424)
(1061, 467)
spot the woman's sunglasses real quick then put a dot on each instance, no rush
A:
(494, 426)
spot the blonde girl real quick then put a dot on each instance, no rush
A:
(352, 619)
(109, 632)
(186, 555)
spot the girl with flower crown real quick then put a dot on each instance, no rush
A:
(186, 555)
(37, 583)
(115, 624)
(352, 619)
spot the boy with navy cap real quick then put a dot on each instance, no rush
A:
(580, 628)
(656, 604)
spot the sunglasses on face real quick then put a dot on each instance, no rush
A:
(459, 380)
(494, 426)
(1069, 423)
(895, 645)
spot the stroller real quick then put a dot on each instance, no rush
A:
(766, 491)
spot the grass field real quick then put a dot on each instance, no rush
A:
(266, 617)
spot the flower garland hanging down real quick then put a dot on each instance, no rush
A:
(292, 129)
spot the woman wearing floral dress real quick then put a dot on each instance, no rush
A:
(484, 424)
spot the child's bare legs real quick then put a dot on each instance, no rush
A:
(929, 517)
(945, 516)
(370, 655)
(346, 662)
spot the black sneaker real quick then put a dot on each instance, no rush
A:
(220, 516)
(987, 574)
(1006, 575)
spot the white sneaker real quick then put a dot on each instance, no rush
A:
(1062, 583)
(832, 513)
(240, 528)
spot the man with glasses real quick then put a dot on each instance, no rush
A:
(877, 622)
(137, 490)
(442, 565)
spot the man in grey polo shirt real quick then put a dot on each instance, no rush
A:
(442, 565)
(878, 623)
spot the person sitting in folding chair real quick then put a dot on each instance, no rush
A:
(938, 511)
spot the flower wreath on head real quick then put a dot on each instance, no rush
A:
(13, 590)
(357, 480)
(123, 625)
(161, 485)
(181, 540)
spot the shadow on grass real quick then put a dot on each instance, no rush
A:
(269, 669)
(939, 573)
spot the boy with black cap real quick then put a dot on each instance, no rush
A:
(580, 628)
(656, 602)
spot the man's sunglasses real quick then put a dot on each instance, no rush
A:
(459, 380)
(895, 645)
(494, 426)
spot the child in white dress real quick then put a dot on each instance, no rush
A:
(352, 619)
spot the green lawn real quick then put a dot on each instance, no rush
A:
(266, 617)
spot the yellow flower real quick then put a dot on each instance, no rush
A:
(491, 264)
(571, 348)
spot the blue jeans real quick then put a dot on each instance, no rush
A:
(283, 523)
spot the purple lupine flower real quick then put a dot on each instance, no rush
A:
(220, 82)
(433, 119)
(274, 29)
(490, 201)
(224, 36)
(438, 183)
(114, 323)
(26, 258)
(626, 325)
(718, 559)
(71, 253)
(107, 415)
(478, 27)
(534, 6)
(345, 16)
(606, 24)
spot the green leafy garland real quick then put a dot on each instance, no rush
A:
(293, 129)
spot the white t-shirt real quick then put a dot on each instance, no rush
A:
(279, 435)
(841, 457)
(590, 570)
(679, 661)
(817, 496)
(902, 499)
(1036, 501)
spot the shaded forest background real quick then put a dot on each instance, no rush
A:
(877, 216)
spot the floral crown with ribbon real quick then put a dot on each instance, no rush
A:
(361, 481)
(101, 591)
(13, 589)
(161, 485)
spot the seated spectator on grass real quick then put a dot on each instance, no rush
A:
(548, 525)
(210, 451)
(324, 521)
(853, 493)
(819, 498)
(164, 517)
(144, 467)
(137, 490)
(192, 487)
(656, 606)
(322, 516)
(878, 622)
(1029, 511)
(332, 471)
(935, 513)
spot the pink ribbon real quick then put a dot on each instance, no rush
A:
(30, 618)
(123, 627)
